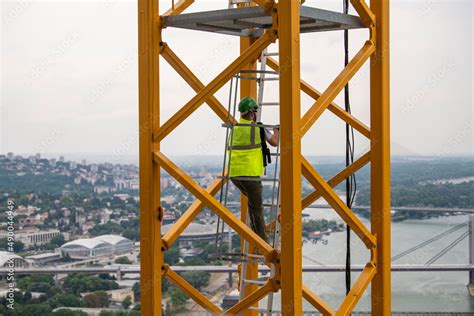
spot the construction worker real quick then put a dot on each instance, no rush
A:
(247, 160)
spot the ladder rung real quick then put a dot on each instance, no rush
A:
(269, 205)
(252, 179)
(247, 77)
(271, 79)
(260, 310)
(230, 125)
(259, 282)
(240, 1)
(274, 154)
(270, 104)
(250, 255)
(271, 54)
(259, 72)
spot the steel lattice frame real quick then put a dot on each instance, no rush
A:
(285, 28)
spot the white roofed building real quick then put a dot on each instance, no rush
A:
(10, 260)
(104, 245)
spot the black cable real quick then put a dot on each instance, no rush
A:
(351, 184)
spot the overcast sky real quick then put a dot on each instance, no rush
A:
(69, 79)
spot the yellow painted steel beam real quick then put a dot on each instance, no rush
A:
(366, 15)
(248, 88)
(265, 5)
(290, 151)
(357, 290)
(226, 215)
(337, 110)
(333, 107)
(251, 53)
(337, 204)
(179, 7)
(336, 86)
(380, 158)
(181, 68)
(149, 36)
(250, 300)
(338, 178)
(173, 233)
(317, 302)
(187, 288)
(333, 182)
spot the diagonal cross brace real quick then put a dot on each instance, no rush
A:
(170, 237)
(179, 7)
(336, 86)
(209, 201)
(334, 181)
(338, 205)
(338, 178)
(249, 54)
(187, 288)
(337, 110)
(363, 281)
(181, 68)
(317, 302)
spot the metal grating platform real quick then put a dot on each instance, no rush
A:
(252, 21)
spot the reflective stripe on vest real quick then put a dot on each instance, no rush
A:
(246, 156)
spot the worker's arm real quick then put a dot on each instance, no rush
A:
(275, 137)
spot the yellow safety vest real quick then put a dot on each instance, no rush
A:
(246, 157)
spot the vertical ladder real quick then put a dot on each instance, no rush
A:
(274, 236)
(245, 257)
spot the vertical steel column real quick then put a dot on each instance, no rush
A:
(290, 173)
(380, 157)
(151, 256)
(248, 88)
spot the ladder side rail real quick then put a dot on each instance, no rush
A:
(224, 164)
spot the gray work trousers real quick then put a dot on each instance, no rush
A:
(253, 191)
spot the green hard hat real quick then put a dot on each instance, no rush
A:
(247, 104)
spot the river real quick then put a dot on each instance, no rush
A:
(411, 291)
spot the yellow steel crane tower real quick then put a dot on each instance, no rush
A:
(259, 23)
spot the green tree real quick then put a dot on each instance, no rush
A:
(136, 291)
(77, 283)
(127, 301)
(178, 299)
(67, 300)
(106, 229)
(197, 279)
(122, 260)
(57, 241)
(69, 312)
(171, 256)
(18, 246)
(99, 299)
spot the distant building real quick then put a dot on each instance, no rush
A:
(72, 165)
(194, 232)
(38, 156)
(61, 158)
(104, 245)
(94, 167)
(43, 258)
(34, 236)
(102, 189)
(119, 295)
(32, 160)
(10, 156)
